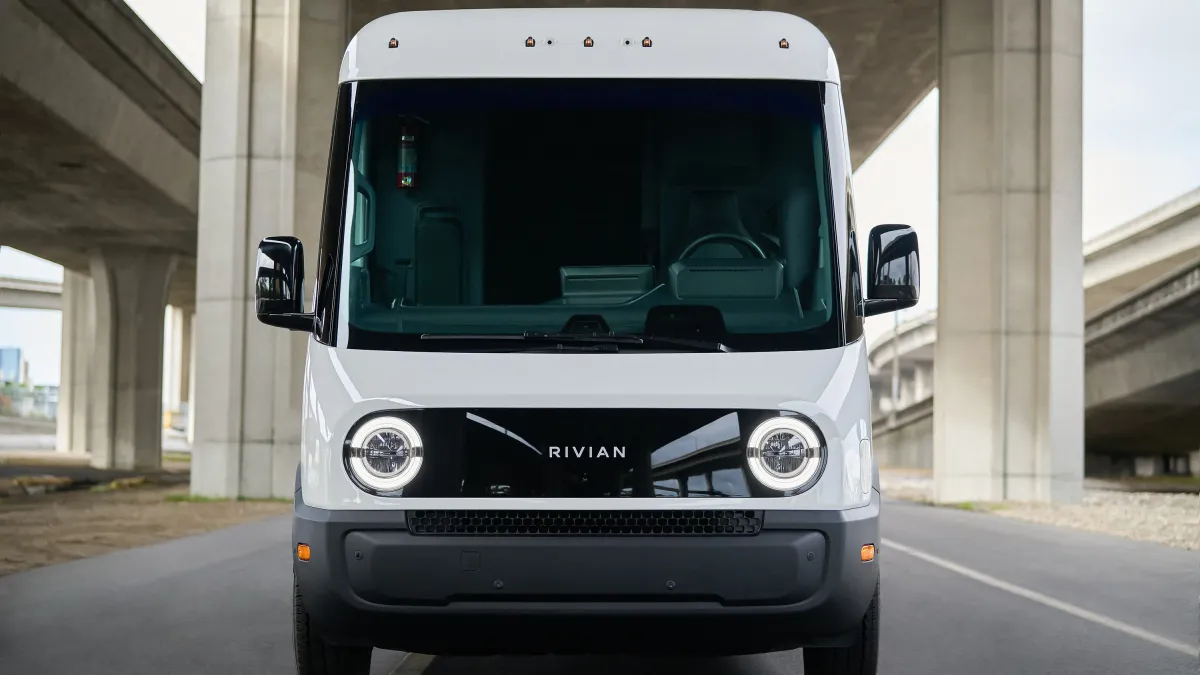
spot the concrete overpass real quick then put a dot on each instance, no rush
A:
(101, 137)
(1124, 260)
(30, 294)
(99, 173)
(1143, 373)
(1142, 368)
(104, 171)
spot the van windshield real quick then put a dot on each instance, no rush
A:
(479, 211)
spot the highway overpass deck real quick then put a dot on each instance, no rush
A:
(1142, 377)
(101, 136)
(30, 294)
(1118, 265)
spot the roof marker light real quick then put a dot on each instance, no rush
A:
(393, 43)
(587, 42)
(783, 44)
(646, 42)
(529, 42)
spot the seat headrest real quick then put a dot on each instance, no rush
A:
(712, 211)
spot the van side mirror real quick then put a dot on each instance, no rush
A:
(893, 269)
(279, 284)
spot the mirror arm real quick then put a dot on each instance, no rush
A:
(885, 305)
(298, 321)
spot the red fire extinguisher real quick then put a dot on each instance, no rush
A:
(406, 169)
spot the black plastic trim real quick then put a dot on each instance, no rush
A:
(370, 582)
(585, 523)
(463, 457)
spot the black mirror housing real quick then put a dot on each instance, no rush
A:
(893, 269)
(279, 284)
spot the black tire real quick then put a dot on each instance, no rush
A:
(860, 658)
(315, 656)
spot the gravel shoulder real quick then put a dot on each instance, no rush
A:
(1172, 519)
(44, 529)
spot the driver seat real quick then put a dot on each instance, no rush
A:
(714, 212)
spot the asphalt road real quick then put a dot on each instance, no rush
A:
(962, 593)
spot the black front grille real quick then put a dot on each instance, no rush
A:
(586, 523)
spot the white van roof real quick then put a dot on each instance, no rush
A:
(684, 44)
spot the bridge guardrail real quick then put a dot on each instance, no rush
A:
(1146, 301)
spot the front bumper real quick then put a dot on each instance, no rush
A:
(798, 582)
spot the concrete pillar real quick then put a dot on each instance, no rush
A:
(1008, 421)
(920, 383)
(173, 357)
(1144, 467)
(126, 384)
(177, 356)
(269, 90)
(191, 380)
(78, 343)
(184, 388)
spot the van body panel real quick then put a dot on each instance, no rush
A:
(685, 43)
(343, 386)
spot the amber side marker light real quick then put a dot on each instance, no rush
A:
(646, 42)
(587, 42)
(529, 42)
(868, 553)
(393, 43)
(783, 44)
(303, 552)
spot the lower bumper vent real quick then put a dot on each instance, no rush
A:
(586, 523)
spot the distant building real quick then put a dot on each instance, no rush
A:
(12, 366)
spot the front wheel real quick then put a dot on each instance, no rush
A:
(315, 656)
(860, 658)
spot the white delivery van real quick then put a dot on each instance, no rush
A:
(585, 367)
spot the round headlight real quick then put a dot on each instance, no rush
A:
(385, 454)
(785, 453)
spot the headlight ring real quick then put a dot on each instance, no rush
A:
(384, 454)
(785, 453)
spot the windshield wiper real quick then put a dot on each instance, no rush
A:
(634, 339)
(592, 339)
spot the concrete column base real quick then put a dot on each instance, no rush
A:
(126, 414)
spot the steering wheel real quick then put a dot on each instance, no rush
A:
(742, 241)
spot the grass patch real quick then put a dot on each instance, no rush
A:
(194, 499)
(177, 457)
(120, 484)
(974, 506)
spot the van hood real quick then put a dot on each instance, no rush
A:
(821, 378)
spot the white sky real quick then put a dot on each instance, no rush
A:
(1141, 142)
